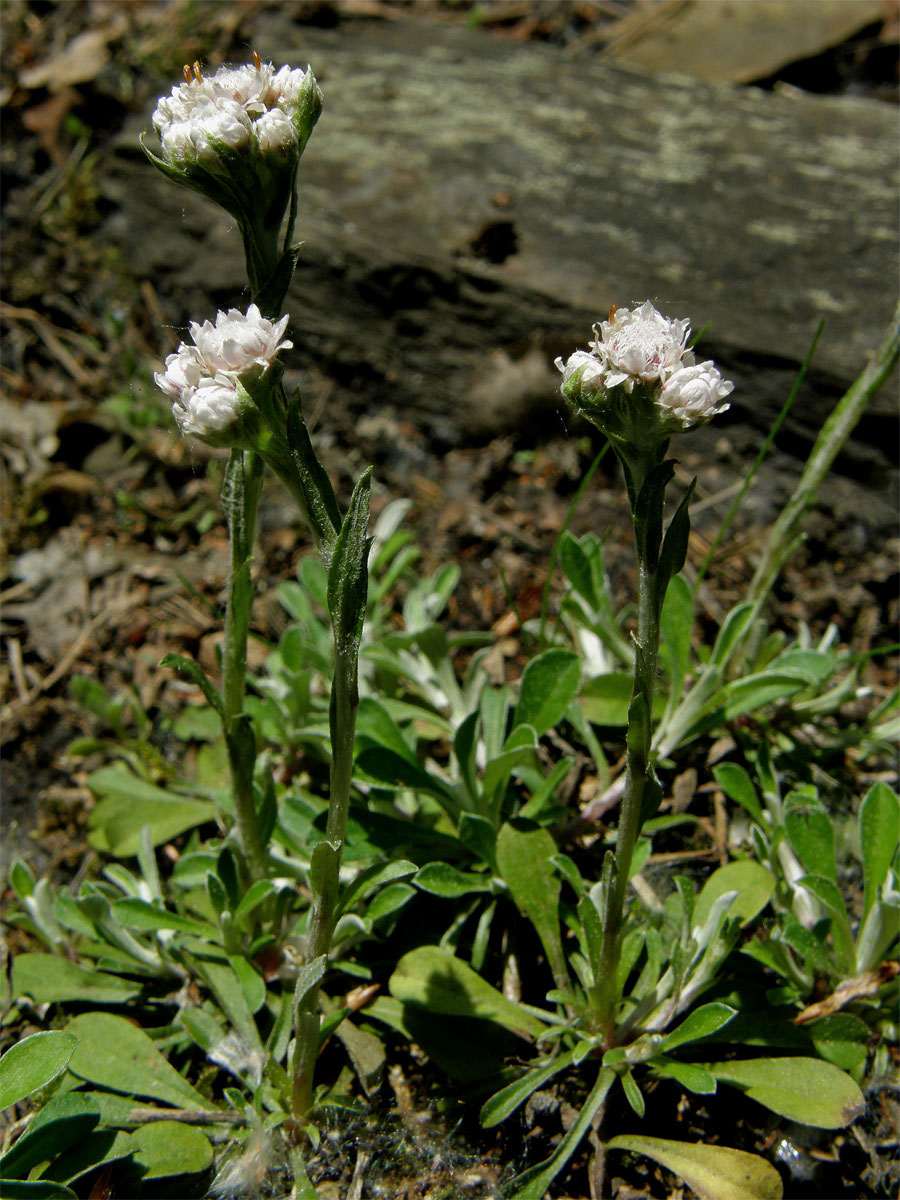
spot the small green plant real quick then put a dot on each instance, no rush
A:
(374, 844)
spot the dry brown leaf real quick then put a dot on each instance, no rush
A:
(856, 988)
(80, 61)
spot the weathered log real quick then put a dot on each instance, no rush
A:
(470, 206)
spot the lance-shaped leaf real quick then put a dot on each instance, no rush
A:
(879, 834)
(810, 833)
(533, 1184)
(63, 1121)
(321, 505)
(524, 859)
(348, 573)
(49, 979)
(648, 512)
(675, 543)
(702, 1022)
(194, 672)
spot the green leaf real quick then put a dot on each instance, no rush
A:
(813, 667)
(549, 685)
(165, 1148)
(309, 976)
(140, 914)
(532, 1184)
(254, 895)
(802, 1089)
(442, 983)
(648, 511)
(702, 1022)
(127, 803)
(442, 879)
(755, 691)
(689, 1075)
(753, 883)
(738, 786)
(197, 675)
(117, 1055)
(322, 510)
(465, 747)
(518, 750)
(49, 979)
(605, 699)
(32, 1063)
(675, 542)
(810, 833)
(525, 862)
(228, 988)
(675, 623)
(503, 1103)
(91, 1151)
(62, 1121)
(366, 1052)
(879, 833)
(633, 1093)
(372, 878)
(713, 1172)
(842, 1039)
(21, 878)
(384, 766)
(252, 983)
(34, 1189)
(348, 573)
(827, 892)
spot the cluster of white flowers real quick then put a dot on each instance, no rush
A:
(643, 347)
(237, 106)
(201, 379)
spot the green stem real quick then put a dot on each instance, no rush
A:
(638, 738)
(342, 720)
(240, 495)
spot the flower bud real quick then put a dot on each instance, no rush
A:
(639, 383)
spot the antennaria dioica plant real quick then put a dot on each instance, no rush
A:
(457, 799)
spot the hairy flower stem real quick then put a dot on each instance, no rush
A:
(648, 539)
(240, 497)
(308, 483)
(325, 880)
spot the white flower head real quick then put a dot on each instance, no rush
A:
(639, 383)
(275, 132)
(213, 406)
(694, 395)
(640, 346)
(239, 341)
(251, 108)
(202, 379)
(587, 366)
